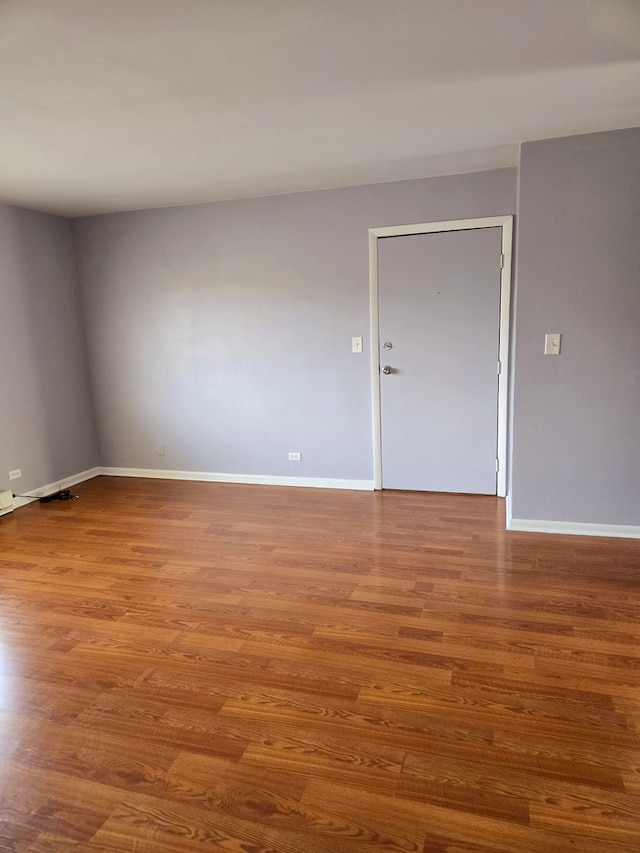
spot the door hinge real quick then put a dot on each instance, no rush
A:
(497, 465)
(501, 262)
(499, 368)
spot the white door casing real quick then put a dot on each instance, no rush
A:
(505, 223)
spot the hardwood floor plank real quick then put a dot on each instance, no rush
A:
(465, 798)
(149, 824)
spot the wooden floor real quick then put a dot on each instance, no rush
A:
(214, 667)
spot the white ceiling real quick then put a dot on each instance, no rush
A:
(122, 104)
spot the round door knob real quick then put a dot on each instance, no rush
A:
(387, 345)
(386, 369)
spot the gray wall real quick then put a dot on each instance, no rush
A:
(224, 331)
(46, 421)
(576, 430)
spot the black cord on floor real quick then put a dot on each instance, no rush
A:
(61, 495)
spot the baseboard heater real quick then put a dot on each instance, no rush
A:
(6, 503)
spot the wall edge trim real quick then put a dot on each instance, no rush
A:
(573, 528)
(247, 479)
(50, 488)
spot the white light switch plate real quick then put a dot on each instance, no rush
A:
(552, 343)
(356, 344)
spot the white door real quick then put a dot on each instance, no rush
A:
(439, 324)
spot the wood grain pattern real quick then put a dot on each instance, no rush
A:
(192, 666)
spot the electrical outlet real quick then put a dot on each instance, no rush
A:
(16, 474)
(295, 456)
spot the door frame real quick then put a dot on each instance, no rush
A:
(505, 223)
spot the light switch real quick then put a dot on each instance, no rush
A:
(552, 343)
(356, 344)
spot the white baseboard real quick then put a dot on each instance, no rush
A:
(50, 488)
(624, 531)
(616, 531)
(249, 479)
